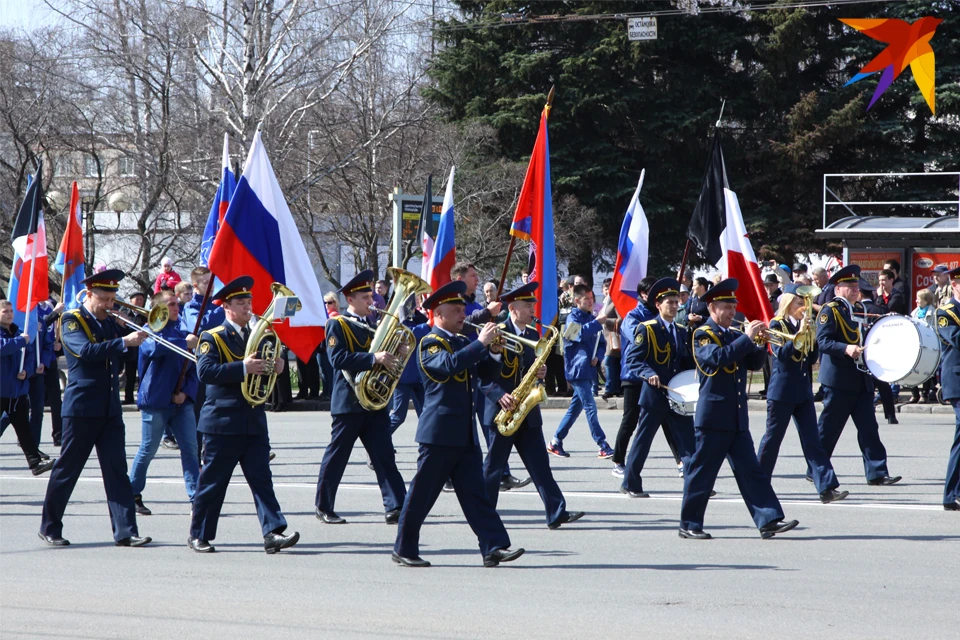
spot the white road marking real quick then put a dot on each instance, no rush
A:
(850, 503)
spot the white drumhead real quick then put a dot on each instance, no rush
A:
(684, 387)
(892, 348)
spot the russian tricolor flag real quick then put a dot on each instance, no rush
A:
(632, 252)
(442, 255)
(221, 202)
(259, 238)
(533, 222)
(70, 256)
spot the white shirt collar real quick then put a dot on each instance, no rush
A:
(444, 331)
(235, 326)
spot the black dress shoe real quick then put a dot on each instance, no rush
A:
(885, 480)
(510, 482)
(272, 456)
(694, 534)
(501, 555)
(273, 542)
(141, 509)
(134, 541)
(448, 487)
(634, 494)
(893, 420)
(42, 455)
(200, 546)
(952, 506)
(392, 516)
(56, 443)
(566, 518)
(416, 561)
(778, 526)
(41, 467)
(832, 495)
(54, 541)
(329, 517)
(808, 479)
(169, 443)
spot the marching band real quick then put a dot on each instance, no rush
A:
(689, 380)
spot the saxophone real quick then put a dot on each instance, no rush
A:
(529, 393)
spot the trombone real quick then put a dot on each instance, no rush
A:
(508, 341)
(157, 319)
(767, 335)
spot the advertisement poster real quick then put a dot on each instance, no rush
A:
(871, 261)
(922, 263)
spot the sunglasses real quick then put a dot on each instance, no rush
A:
(331, 302)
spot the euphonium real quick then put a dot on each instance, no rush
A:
(374, 388)
(529, 393)
(806, 338)
(266, 345)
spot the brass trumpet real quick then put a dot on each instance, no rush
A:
(766, 336)
(157, 319)
(508, 341)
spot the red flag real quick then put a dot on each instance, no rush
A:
(533, 221)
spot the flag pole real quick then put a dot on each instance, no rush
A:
(196, 332)
(683, 261)
(513, 238)
(686, 248)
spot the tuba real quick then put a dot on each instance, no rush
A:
(265, 344)
(374, 388)
(529, 393)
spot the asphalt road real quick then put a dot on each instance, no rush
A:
(883, 563)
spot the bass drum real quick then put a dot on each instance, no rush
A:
(684, 392)
(902, 350)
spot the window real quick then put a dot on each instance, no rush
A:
(90, 167)
(63, 166)
(125, 166)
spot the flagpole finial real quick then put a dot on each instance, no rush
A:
(549, 104)
(720, 117)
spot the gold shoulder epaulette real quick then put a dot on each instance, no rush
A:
(650, 322)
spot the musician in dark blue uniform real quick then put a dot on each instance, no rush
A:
(91, 412)
(948, 328)
(848, 391)
(349, 337)
(660, 351)
(480, 312)
(409, 388)
(790, 395)
(447, 432)
(234, 431)
(723, 356)
(212, 317)
(528, 439)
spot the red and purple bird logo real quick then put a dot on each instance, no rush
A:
(908, 44)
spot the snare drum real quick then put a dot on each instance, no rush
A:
(684, 392)
(902, 350)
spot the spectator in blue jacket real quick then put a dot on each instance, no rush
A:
(14, 403)
(582, 346)
(159, 370)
